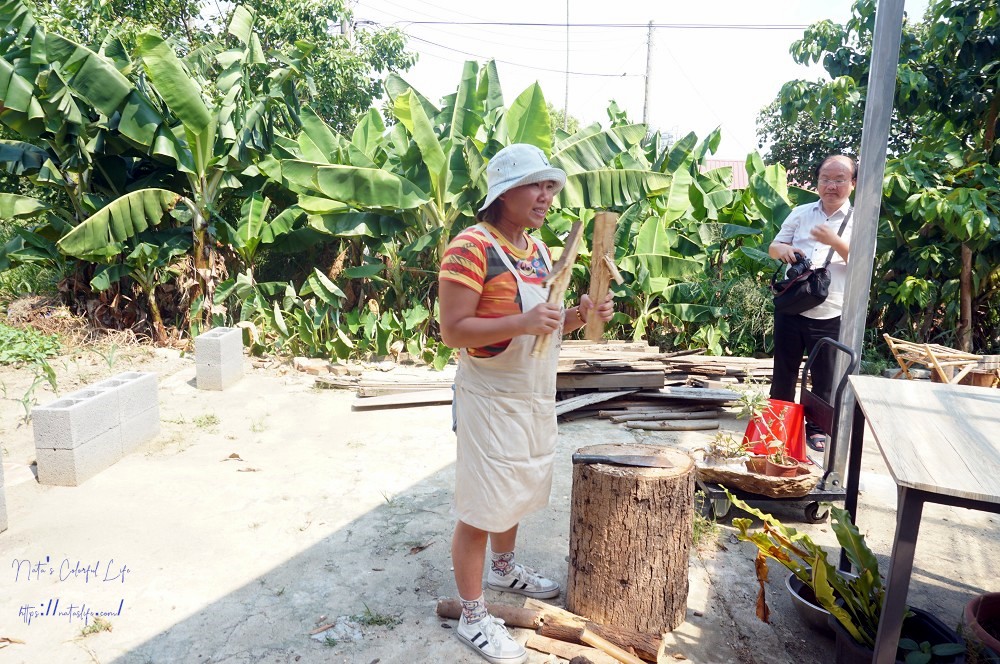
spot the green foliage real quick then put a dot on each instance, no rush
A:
(924, 652)
(860, 598)
(938, 243)
(374, 619)
(26, 345)
(97, 626)
(347, 69)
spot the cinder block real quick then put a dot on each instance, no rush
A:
(219, 347)
(140, 429)
(135, 391)
(209, 377)
(75, 419)
(72, 467)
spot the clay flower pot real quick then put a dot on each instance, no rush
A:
(772, 469)
(982, 617)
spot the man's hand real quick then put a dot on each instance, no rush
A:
(785, 252)
(824, 234)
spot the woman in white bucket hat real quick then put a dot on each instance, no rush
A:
(493, 304)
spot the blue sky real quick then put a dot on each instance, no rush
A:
(702, 77)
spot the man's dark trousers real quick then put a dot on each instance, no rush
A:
(793, 335)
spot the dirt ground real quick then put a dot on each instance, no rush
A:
(330, 516)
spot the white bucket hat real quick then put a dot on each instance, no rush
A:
(517, 165)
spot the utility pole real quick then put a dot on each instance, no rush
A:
(566, 97)
(649, 69)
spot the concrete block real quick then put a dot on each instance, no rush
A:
(209, 377)
(219, 347)
(140, 429)
(75, 419)
(72, 467)
(135, 391)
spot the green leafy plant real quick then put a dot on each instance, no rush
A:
(856, 603)
(724, 446)
(97, 626)
(924, 652)
(26, 345)
(372, 618)
(206, 421)
(703, 528)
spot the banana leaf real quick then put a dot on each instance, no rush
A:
(588, 150)
(361, 187)
(15, 206)
(410, 113)
(124, 218)
(527, 120)
(611, 188)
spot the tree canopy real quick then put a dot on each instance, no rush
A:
(939, 241)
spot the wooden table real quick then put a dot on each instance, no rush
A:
(941, 444)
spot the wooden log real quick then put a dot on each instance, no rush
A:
(617, 511)
(514, 616)
(568, 651)
(600, 274)
(568, 624)
(646, 647)
(656, 416)
(670, 425)
(594, 640)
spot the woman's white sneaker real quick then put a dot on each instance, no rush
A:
(491, 639)
(523, 581)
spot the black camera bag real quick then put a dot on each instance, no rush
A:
(806, 290)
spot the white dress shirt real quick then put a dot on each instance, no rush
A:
(796, 231)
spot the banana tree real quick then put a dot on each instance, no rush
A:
(421, 179)
(127, 152)
(150, 264)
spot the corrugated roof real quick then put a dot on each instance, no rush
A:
(740, 177)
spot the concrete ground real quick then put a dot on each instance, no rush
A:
(266, 510)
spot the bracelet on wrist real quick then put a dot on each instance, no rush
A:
(580, 316)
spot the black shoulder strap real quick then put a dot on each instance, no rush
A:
(843, 225)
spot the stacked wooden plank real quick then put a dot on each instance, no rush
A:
(612, 373)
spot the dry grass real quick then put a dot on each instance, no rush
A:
(49, 316)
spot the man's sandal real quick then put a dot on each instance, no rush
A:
(817, 442)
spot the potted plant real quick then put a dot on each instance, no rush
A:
(982, 620)
(770, 429)
(853, 602)
(724, 449)
(777, 463)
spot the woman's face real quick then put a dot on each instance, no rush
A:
(527, 205)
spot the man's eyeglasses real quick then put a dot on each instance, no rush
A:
(839, 183)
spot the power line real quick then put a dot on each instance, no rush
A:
(518, 64)
(667, 26)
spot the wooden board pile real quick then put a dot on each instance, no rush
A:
(592, 376)
(567, 635)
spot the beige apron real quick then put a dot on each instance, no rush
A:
(506, 424)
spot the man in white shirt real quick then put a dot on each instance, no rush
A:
(811, 231)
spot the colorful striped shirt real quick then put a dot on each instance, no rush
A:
(472, 261)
